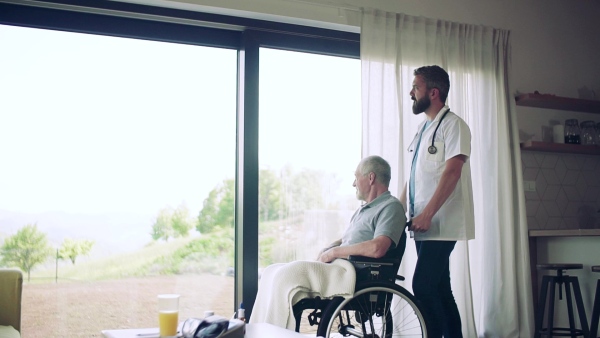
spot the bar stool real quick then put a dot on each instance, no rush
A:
(549, 282)
(596, 310)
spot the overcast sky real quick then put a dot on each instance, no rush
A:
(96, 124)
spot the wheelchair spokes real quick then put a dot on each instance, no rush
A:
(375, 312)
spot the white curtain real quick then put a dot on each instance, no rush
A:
(490, 275)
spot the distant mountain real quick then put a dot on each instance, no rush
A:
(112, 232)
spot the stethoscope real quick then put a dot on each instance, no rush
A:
(432, 148)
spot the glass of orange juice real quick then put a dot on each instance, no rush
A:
(168, 314)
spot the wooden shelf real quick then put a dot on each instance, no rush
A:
(561, 148)
(549, 101)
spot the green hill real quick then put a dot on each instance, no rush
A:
(206, 254)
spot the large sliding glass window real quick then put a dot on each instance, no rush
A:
(310, 136)
(139, 155)
(119, 154)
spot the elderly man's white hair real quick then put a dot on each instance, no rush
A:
(377, 165)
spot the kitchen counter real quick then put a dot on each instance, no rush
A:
(535, 235)
(564, 233)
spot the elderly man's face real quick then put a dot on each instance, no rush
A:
(361, 183)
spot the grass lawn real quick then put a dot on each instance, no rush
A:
(119, 292)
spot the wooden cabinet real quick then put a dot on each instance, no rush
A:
(548, 101)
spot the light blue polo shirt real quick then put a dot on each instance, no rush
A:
(383, 216)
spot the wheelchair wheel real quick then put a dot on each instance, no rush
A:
(377, 310)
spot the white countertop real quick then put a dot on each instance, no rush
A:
(564, 232)
(258, 330)
(264, 330)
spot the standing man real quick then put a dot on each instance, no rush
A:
(440, 197)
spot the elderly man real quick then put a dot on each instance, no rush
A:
(375, 228)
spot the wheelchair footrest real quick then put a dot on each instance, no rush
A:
(316, 304)
(315, 317)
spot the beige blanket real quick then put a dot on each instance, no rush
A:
(282, 285)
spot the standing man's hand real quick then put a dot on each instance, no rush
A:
(421, 223)
(448, 181)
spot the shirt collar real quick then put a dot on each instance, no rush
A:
(441, 113)
(378, 200)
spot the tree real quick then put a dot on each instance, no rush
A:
(308, 188)
(270, 201)
(172, 223)
(218, 208)
(71, 249)
(278, 198)
(162, 225)
(181, 221)
(26, 249)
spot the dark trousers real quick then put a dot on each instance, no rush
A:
(431, 285)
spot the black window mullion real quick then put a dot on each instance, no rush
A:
(246, 262)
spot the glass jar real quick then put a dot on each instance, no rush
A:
(572, 134)
(588, 133)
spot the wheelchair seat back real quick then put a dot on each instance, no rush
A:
(384, 268)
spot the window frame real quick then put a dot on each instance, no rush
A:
(247, 36)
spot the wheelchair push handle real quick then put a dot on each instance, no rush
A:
(408, 226)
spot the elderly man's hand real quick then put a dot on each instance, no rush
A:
(327, 256)
(329, 248)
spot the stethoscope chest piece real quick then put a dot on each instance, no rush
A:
(432, 149)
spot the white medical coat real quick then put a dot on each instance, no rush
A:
(455, 219)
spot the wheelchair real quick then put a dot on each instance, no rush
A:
(379, 308)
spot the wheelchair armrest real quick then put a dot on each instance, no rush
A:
(365, 259)
(369, 266)
(353, 258)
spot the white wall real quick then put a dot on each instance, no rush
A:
(555, 50)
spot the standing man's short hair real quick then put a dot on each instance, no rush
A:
(435, 77)
(379, 166)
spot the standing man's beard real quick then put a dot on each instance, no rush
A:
(421, 105)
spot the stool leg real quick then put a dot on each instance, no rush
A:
(539, 318)
(572, 327)
(595, 312)
(580, 307)
(551, 308)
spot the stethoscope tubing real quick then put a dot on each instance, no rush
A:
(433, 149)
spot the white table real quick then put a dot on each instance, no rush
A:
(258, 330)
(264, 330)
(131, 333)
